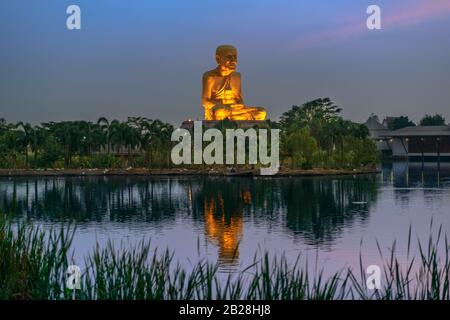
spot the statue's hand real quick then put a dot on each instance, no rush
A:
(238, 106)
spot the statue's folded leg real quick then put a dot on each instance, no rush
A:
(259, 113)
(221, 112)
(242, 116)
(249, 113)
(253, 113)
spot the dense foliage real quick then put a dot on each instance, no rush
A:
(434, 120)
(313, 135)
(139, 142)
(400, 122)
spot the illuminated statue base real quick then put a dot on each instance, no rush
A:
(241, 124)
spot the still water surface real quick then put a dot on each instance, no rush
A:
(330, 221)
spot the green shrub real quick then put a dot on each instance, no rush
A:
(302, 147)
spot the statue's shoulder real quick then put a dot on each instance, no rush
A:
(214, 73)
(210, 74)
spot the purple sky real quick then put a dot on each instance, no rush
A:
(146, 57)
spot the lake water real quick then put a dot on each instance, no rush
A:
(328, 220)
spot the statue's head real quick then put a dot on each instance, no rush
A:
(226, 57)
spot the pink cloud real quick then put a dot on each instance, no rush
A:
(401, 16)
(418, 13)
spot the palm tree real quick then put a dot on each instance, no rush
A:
(37, 139)
(144, 127)
(13, 141)
(165, 134)
(131, 137)
(69, 135)
(106, 129)
(27, 130)
(91, 137)
(115, 134)
(124, 134)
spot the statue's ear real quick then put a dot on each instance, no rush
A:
(218, 60)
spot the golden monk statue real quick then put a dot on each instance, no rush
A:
(221, 95)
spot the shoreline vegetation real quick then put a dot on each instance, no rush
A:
(34, 266)
(284, 172)
(313, 136)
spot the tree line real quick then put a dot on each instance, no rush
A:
(427, 120)
(313, 135)
(83, 144)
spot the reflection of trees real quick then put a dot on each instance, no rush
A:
(93, 199)
(319, 208)
(316, 208)
(411, 177)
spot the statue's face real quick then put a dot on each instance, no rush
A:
(227, 59)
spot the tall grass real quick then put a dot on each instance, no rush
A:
(32, 262)
(422, 277)
(33, 265)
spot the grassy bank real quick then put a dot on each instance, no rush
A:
(178, 172)
(34, 266)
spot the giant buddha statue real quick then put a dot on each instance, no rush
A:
(222, 95)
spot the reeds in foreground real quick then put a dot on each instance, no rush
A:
(33, 265)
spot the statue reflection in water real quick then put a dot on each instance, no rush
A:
(224, 223)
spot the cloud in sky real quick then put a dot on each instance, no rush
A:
(404, 16)
(418, 13)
